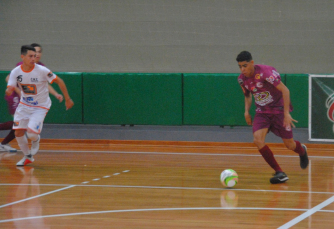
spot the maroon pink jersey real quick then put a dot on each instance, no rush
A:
(268, 99)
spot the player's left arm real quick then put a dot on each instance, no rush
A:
(53, 92)
(288, 120)
(68, 101)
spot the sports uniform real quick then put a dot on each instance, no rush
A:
(35, 101)
(13, 101)
(268, 100)
(272, 100)
(32, 79)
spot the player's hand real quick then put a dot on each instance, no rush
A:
(288, 122)
(59, 97)
(248, 118)
(69, 104)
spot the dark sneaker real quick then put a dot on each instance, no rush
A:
(279, 177)
(304, 159)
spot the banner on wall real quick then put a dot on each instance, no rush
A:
(321, 108)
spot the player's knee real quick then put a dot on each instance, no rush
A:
(19, 133)
(32, 136)
(290, 146)
(258, 142)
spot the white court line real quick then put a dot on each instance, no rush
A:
(175, 188)
(151, 209)
(158, 209)
(33, 197)
(170, 153)
(307, 213)
(47, 193)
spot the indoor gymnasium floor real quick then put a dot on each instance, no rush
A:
(163, 177)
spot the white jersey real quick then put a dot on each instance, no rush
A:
(33, 85)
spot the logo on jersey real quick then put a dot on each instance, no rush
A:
(19, 78)
(257, 76)
(271, 79)
(30, 100)
(263, 98)
(240, 81)
(50, 74)
(259, 84)
(253, 89)
(34, 80)
(29, 89)
(16, 123)
(275, 73)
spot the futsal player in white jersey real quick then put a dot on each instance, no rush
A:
(32, 80)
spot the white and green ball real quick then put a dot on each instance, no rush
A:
(229, 178)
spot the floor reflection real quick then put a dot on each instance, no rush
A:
(229, 198)
(29, 208)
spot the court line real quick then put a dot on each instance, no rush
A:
(171, 153)
(33, 197)
(173, 188)
(307, 213)
(157, 209)
(47, 193)
(149, 210)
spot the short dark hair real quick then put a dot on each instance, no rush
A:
(25, 48)
(36, 45)
(244, 56)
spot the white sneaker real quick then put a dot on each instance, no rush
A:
(35, 146)
(27, 159)
(8, 148)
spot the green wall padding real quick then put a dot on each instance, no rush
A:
(298, 86)
(58, 113)
(212, 99)
(5, 116)
(159, 99)
(132, 98)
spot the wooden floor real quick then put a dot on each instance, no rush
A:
(152, 184)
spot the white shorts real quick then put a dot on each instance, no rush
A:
(29, 117)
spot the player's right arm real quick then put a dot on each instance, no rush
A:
(248, 104)
(248, 101)
(16, 89)
(10, 85)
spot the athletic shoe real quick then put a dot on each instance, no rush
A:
(35, 146)
(304, 159)
(8, 148)
(27, 159)
(279, 177)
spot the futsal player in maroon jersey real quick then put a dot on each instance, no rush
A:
(273, 107)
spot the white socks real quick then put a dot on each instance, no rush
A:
(23, 144)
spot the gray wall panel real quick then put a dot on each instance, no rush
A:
(205, 36)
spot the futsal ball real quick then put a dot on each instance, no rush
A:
(229, 178)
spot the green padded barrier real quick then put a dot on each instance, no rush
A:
(5, 116)
(298, 86)
(132, 98)
(58, 113)
(213, 99)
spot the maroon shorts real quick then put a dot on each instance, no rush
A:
(274, 122)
